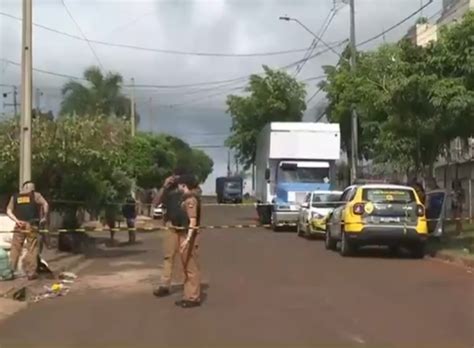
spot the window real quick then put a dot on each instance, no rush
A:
(347, 195)
(298, 174)
(388, 195)
(325, 200)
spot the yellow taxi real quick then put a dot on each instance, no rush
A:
(378, 214)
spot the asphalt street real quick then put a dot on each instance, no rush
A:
(261, 288)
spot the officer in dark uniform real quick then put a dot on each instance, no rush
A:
(28, 209)
(171, 198)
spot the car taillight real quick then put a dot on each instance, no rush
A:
(358, 208)
(420, 210)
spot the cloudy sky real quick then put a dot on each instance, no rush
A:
(192, 27)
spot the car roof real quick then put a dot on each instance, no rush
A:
(386, 186)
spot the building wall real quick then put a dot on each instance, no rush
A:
(426, 33)
(454, 11)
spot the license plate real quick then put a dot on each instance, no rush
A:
(389, 219)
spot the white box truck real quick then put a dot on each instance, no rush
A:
(292, 159)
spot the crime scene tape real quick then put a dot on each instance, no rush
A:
(204, 227)
(243, 204)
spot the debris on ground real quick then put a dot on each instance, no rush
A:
(67, 276)
(55, 290)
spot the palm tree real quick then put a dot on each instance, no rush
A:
(101, 95)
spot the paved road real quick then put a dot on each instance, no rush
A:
(262, 288)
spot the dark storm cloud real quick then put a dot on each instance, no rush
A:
(233, 26)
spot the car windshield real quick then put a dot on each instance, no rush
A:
(325, 200)
(388, 195)
(233, 185)
(311, 175)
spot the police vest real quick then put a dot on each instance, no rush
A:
(174, 213)
(25, 207)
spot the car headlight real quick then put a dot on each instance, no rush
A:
(315, 215)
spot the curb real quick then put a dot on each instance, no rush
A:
(456, 259)
(57, 265)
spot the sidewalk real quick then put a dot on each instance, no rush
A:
(459, 257)
(57, 261)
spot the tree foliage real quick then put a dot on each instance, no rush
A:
(93, 160)
(273, 97)
(100, 95)
(411, 101)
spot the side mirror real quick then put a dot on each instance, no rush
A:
(305, 205)
(267, 174)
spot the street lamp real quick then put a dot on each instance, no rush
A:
(291, 19)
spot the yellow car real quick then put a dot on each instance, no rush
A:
(378, 214)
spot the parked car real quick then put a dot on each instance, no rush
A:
(158, 212)
(377, 214)
(314, 211)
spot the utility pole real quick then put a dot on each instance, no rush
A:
(38, 95)
(152, 121)
(354, 137)
(132, 109)
(26, 93)
(228, 163)
(15, 102)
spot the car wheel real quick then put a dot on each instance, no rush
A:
(418, 251)
(329, 242)
(347, 246)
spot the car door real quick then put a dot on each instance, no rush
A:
(304, 210)
(338, 213)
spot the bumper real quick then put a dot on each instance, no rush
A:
(380, 235)
(317, 226)
(285, 217)
(231, 199)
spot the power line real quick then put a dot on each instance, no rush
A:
(227, 81)
(82, 33)
(375, 37)
(327, 22)
(310, 48)
(314, 95)
(44, 71)
(160, 50)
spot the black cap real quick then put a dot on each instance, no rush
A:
(189, 180)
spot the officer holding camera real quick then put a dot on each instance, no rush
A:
(171, 198)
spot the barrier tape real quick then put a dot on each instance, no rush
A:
(243, 204)
(205, 227)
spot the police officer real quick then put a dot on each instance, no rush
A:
(171, 198)
(189, 241)
(129, 212)
(28, 209)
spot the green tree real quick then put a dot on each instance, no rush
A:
(100, 95)
(412, 101)
(273, 97)
(73, 158)
(151, 158)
